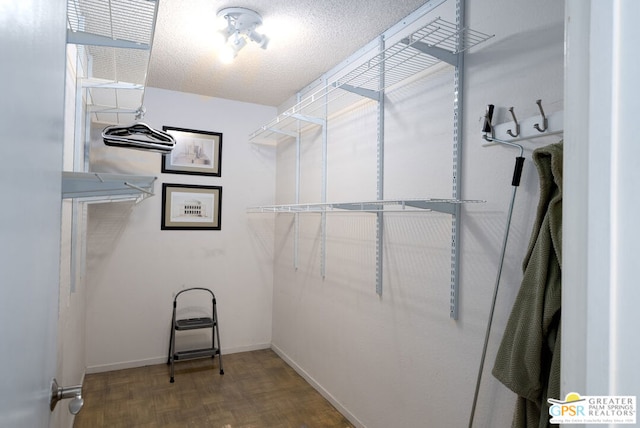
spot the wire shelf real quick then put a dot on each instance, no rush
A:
(106, 187)
(396, 63)
(131, 20)
(114, 39)
(387, 205)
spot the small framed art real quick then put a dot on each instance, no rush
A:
(191, 207)
(195, 152)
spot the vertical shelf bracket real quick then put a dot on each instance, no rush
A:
(457, 162)
(323, 215)
(380, 174)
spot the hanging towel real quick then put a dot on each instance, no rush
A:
(528, 360)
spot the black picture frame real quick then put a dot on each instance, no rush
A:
(195, 152)
(191, 207)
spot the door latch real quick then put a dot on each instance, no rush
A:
(61, 393)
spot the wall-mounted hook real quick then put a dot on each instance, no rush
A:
(545, 122)
(516, 122)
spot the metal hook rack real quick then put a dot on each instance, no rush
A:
(527, 129)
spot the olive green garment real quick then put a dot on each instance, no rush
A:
(528, 360)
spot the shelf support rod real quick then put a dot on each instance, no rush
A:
(356, 206)
(283, 132)
(441, 207)
(380, 175)
(108, 84)
(323, 215)
(109, 109)
(457, 163)
(296, 216)
(83, 38)
(310, 119)
(77, 207)
(434, 51)
(367, 93)
(138, 188)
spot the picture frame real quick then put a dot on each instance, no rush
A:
(191, 207)
(195, 152)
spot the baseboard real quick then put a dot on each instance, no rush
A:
(330, 398)
(162, 360)
(125, 365)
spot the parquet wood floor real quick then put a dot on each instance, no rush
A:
(258, 390)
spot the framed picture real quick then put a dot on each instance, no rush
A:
(190, 207)
(195, 152)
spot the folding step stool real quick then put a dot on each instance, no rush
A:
(194, 324)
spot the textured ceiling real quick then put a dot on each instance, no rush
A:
(307, 38)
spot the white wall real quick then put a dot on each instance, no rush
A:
(399, 360)
(134, 268)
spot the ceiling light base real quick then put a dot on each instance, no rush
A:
(241, 24)
(241, 19)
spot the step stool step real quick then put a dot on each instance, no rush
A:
(194, 323)
(195, 353)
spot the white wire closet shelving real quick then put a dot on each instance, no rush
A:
(110, 41)
(395, 57)
(388, 205)
(114, 39)
(103, 187)
(436, 42)
(113, 42)
(127, 21)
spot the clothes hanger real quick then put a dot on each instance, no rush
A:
(138, 136)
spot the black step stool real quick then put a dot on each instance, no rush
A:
(194, 324)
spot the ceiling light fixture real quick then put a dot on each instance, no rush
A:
(241, 27)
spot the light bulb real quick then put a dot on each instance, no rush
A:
(238, 42)
(220, 37)
(260, 39)
(227, 54)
